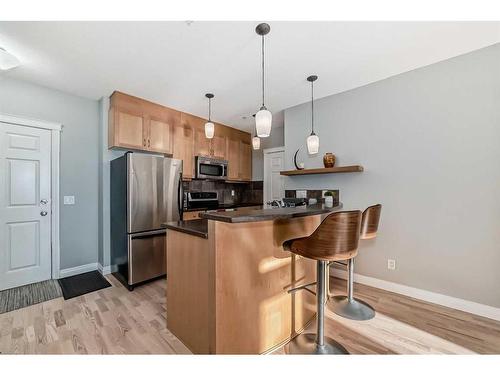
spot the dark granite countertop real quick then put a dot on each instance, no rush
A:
(224, 206)
(269, 213)
(198, 227)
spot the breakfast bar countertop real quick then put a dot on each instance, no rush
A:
(247, 216)
(198, 227)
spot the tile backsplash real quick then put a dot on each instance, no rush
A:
(250, 192)
(317, 194)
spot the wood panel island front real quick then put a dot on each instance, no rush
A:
(228, 279)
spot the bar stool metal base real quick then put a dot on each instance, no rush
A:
(354, 309)
(306, 344)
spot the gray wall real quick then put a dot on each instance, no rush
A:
(276, 139)
(105, 156)
(79, 160)
(429, 140)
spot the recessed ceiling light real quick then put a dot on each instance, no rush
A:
(8, 60)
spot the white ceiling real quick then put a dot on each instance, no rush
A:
(176, 63)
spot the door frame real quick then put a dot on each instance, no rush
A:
(266, 152)
(55, 129)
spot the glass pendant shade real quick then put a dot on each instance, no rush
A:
(256, 143)
(263, 122)
(209, 130)
(312, 144)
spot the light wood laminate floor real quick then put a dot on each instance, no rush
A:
(114, 320)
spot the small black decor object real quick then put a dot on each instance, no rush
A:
(297, 166)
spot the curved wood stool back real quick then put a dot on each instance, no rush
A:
(336, 238)
(369, 223)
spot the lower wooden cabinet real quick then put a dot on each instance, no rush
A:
(191, 215)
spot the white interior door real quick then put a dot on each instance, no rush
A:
(274, 183)
(25, 206)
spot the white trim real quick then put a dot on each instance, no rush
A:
(56, 245)
(34, 123)
(78, 270)
(267, 152)
(274, 149)
(55, 147)
(104, 270)
(425, 295)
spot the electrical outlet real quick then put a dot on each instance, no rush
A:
(391, 264)
(232, 193)
(301, 193)
(69, 199)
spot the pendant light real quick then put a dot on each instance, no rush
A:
(313, 139)
(209, 126)
(256, 142)
(263, 118)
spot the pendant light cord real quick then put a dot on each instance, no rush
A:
(263, 105)
(312, 108)
(209, 108)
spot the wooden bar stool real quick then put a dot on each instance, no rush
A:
(336, 238)
(348, 306)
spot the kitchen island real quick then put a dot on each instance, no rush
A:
(228, 277)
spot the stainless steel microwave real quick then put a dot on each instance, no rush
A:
(211, 169)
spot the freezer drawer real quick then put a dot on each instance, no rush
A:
(146, 254)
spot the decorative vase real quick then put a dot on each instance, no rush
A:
(329, 160)
(329, 201)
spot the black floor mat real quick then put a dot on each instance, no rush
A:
(84, 283)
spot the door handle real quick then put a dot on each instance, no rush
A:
(43, 213)
(44, 201)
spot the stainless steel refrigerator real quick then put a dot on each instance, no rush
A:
(146, 191)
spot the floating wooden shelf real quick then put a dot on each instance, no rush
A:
(346, 169)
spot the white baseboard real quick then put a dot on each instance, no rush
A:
(77, 270)
(104, 270)
(425, 295)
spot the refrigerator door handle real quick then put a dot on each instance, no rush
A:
(180, 194)
(147, 234)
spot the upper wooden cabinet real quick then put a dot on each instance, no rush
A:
(215, 147)
(137, 124)
(184, 145)
(233, 157)
(239, 159)
(245, 161)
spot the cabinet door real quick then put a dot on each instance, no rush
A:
(202, 143)
(129, 129)
(233, 159)
(245, 161)
(219, 147)
(161, 132)
(184, 146)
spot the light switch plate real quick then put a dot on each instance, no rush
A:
(69, 199)
(301, 193)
